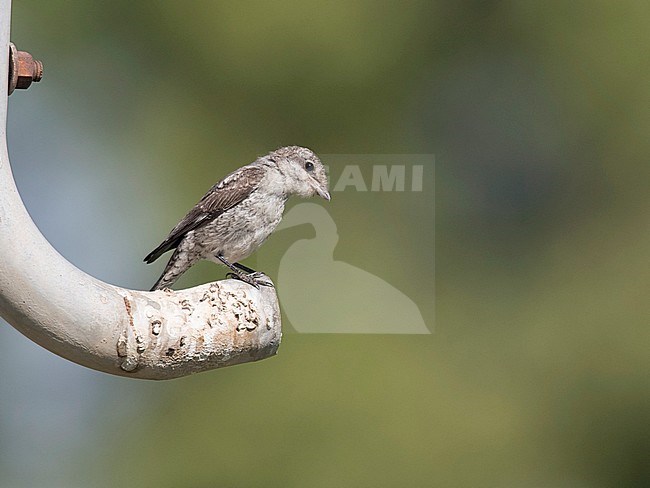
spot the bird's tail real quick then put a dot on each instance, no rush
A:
(177, 265)
(163, 282)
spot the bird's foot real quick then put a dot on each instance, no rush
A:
(260, 279)
(254, 279)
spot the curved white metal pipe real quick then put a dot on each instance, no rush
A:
(151, 335)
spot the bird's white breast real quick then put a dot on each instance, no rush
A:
(240, 231)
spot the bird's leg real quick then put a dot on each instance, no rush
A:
(256, 275)
(245, 269)
(234, 267)
(244, 273)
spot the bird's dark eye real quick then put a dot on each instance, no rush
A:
(309, 166)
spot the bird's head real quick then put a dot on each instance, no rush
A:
(303, 172)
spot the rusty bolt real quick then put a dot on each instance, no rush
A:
(23, 69)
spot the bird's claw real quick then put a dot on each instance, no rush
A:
(257, 276)
(253, 279)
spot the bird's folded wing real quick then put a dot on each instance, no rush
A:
(230, 191)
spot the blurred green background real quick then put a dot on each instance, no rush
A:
(538, 113)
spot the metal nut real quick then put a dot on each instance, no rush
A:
(23, 69)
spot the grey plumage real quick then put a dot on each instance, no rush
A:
(238, 213)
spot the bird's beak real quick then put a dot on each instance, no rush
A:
(322, 192)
